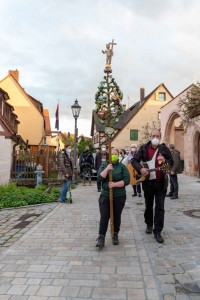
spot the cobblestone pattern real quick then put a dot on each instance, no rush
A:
(15, 222)
(177, 261)
(55, 257)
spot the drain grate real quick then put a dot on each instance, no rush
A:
(194, 213)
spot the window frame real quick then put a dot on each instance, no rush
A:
(162, 94)
(134, 132)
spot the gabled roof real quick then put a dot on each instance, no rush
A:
(123, 118)
(178, 95)
(147, 97)
(126, 116)
(35, 102)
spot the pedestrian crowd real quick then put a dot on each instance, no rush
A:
(148, 168)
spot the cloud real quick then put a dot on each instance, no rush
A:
(56, 46)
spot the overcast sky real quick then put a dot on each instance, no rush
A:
(56, 46)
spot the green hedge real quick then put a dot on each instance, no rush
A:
(13, 196)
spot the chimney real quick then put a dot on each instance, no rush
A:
(124, 107)
(141, 95)
(15, 74)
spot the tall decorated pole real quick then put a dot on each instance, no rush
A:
(108, 108)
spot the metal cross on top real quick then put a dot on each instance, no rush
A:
(109, 53)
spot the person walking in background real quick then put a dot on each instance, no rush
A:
(137, 187)
(154, 154)
(86, 163)
(121, 178)
(123, 157)
(101, 157)
(127, 151)
(66, 171)
(176, 169)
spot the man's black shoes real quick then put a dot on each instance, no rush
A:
(115, 239)
(171, 196)
(149, 229)
(134, 195)
(100, 241)
(158, 237)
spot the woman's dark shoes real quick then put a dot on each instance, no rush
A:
(134, 195)
(169, 195)
(174, 197)
(115, 239)
(158, 237)
(100, 241)
(149, 229)
(140, 195)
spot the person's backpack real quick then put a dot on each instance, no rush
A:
(85, 160)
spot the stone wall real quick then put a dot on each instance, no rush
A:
(186, 143)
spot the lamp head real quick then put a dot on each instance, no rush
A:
(76, 108)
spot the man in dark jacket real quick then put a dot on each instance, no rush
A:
(155, 154)
(101, 157)
(176, 169)
(86, 163)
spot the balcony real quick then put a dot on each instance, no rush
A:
(6, 112)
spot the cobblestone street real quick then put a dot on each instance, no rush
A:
(48, 251)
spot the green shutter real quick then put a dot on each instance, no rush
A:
(133, 135)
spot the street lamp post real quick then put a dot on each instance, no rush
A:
(76, 108)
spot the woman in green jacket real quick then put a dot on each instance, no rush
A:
(121, 178)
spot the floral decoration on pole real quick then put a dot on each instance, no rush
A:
(109, 96)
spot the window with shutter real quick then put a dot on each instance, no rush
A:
(133, 134)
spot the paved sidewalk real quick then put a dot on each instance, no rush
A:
(14, 222)
(176, 263)
(56, 258)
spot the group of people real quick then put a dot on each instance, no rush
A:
(153, 154)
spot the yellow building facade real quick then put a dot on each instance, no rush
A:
(31, 127)
(146, 111)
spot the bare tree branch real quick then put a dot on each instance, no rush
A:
(189, 107)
